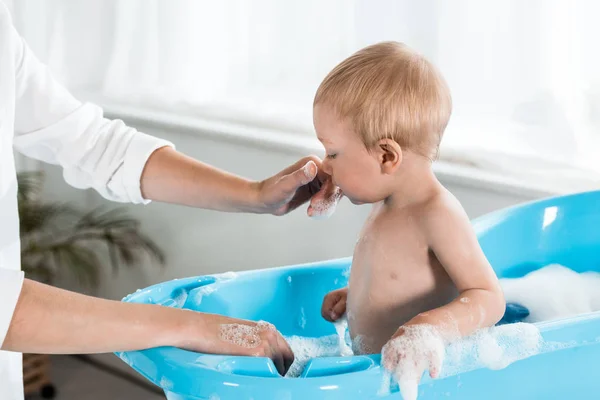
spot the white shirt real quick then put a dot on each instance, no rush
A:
(39, 118)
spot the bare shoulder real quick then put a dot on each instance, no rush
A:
(443, 212)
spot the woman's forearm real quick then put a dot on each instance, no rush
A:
(172, 177)
(51, 320)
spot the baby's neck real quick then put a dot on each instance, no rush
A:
(415, 182)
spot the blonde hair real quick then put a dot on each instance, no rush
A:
(389, 91)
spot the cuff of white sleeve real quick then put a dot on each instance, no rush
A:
(11, 283)
(138, 152)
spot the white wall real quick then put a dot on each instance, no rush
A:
(199, 242)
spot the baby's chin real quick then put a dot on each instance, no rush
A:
(356, 202)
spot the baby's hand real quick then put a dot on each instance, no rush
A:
(334, 305)
(412, 350)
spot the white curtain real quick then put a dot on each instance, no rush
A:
(525, 75)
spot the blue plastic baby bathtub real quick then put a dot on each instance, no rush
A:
(517, 240)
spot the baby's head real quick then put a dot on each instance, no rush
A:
(378, 108)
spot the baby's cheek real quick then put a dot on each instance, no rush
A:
(366, 186)
(362, 193)
(351, 184)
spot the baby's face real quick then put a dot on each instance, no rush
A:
(352, 167)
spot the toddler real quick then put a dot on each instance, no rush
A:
(419, 277)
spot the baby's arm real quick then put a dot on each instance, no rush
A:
(453, 241)
(419, 343)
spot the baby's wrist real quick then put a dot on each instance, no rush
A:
(433, 326)
(420, 319)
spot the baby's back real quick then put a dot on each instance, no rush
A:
(394, 277)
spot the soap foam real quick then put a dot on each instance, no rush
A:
(245, 335)
(241, 335)
(341, 327)
(307, 170)
(407, 356)
(346, 273)
(305, 348)
(494, 348)
(360, 345)
(324, 208)
(554, 292)
(262, 326)
(302, 319)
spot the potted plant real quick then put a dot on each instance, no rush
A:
(59, 239)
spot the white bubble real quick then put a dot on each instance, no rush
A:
(346, 273)
(265, 326)
(241, 335)
(386, 382)
(494, 348)
(361, 345)
(324, 208)
(302, 319)
(306, 169)
(245, 335)
(305, 349)
(341, 327)
(409, 389)
(410, 354)
(554, 292)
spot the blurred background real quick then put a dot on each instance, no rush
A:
(231, 83)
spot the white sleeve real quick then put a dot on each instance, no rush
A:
(52, 126)
(10, 289)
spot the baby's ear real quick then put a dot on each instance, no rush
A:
(389, 154)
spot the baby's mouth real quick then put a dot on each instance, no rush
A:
(324, 202)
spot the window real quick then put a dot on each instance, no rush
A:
(525, 75)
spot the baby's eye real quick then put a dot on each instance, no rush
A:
(332, 156)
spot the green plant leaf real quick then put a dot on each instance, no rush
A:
(30, 185)
(81, 261)
(35, 217)
(57, 237)
(101, 218)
